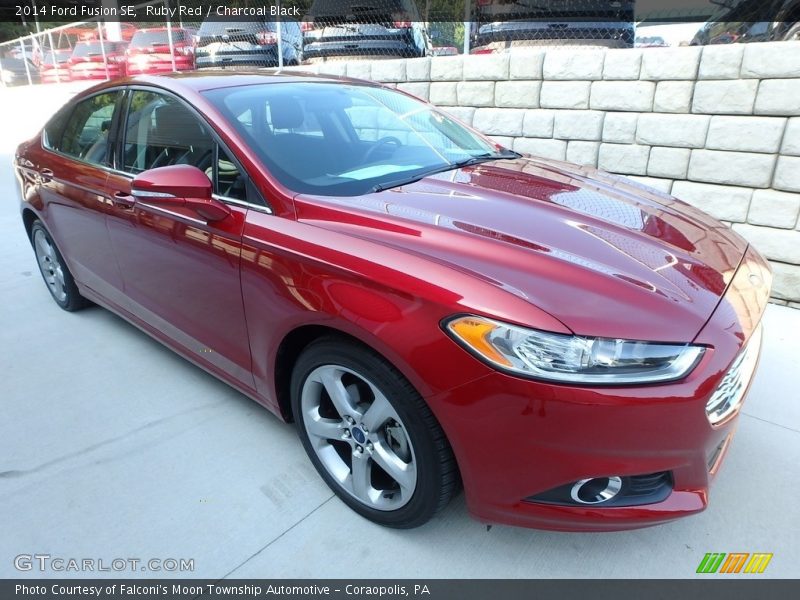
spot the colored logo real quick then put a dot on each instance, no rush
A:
(359, 436)
(735, 562)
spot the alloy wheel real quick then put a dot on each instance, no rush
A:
(358, 437)
(50, 265)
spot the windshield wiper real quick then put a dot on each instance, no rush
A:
(464, 162)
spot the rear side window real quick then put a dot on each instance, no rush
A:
(86, 132)
(51, 135)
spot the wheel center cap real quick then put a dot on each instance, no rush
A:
(358, 435)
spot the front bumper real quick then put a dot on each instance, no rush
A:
(613, 34)
(367, 47)
(265, 56)
(137, 67)
(516, 438)
(87, 72)
(53, 76)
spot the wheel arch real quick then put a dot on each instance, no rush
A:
(297, 340)
(28, 219)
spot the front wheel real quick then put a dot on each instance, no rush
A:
(370, 435)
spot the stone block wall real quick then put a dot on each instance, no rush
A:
(717, 126)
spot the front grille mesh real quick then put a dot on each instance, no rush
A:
(728, 396)
(646, 485)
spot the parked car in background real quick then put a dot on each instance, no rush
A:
(229, 44)
(149, 51)
(751, 21)
(374, 28)
(89, 32)
(651, 41)
(444, 51)
(16, 71)
(54, 67)
(97, 60)
(28, 49)
(127, 31)
(427, 307)
(503, 24)
(63, 42)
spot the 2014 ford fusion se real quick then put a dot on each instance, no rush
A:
(429, 308)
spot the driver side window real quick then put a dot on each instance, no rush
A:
(229, 182)
(160, 132)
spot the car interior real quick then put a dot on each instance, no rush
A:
(349, 141)
(164, 133)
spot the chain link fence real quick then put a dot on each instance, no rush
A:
(157, 36)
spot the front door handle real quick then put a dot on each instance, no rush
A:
(123, 200)
(45, 175)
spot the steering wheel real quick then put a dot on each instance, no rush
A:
(384, 141)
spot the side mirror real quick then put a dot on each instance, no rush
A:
(179, 185)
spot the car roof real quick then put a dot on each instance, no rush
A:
(210, 79)
(188, 83)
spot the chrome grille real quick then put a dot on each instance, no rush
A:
(729, 395)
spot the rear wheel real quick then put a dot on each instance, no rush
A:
(370, 435)
(54, 270)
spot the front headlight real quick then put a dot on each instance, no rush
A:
(572, 358)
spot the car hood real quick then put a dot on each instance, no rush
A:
(604, 255)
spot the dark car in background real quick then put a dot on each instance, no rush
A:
(751, 21)
(650, 41)
(95, 59)
(247, 44)
(15, 71)
(375, 28)
(160, 50)
(503, 24)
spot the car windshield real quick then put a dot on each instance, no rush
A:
(88, 49)
(51, 58)
(160, 37)
(348, 139)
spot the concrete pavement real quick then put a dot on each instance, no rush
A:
(111, 446)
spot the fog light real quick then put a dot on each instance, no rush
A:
(596, 491)
(612, 491)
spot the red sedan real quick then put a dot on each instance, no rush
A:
(149, 51)
(54, 67)
(97, 60)
(429, 308)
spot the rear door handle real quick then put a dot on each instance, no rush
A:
(45, 175)
(123, 200)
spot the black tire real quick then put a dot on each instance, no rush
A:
(437, 478)
(793, 33)
(66, 295)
